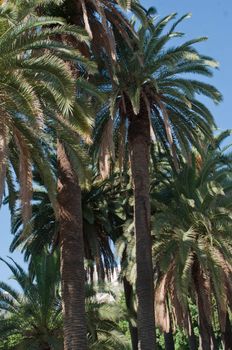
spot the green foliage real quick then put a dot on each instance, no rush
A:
(11, 342)
(150, 71)
(33, 315)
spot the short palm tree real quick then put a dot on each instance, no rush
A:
(150, 92)
(101, 217)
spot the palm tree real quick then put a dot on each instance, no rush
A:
(45, 84)
(99, 18)
(149, 91)
(192, 247)
(102, 217)
(28, 84)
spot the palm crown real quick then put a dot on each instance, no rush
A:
(36, 84)
(153, 72)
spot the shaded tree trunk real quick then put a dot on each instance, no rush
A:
(168, 336)
(207, 338)
(227, 335)
(45, 347)
(169, 341)
(72, 254)
(192, 341)
(128, 291)
(139, 144)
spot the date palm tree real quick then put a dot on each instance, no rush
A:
(101, 217)
(99, 18)
(39, 91)
(192, 248)
(150, 92)
(28, 83)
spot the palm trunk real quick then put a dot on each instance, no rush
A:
(128, 292)
(45, 347)
(207, 337)
(227, 335)
(72, 254)
(168, 336)
(169, 341)
(192, 341)
(139, 143)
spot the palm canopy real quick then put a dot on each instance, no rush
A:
(103, 217)
(160, 77)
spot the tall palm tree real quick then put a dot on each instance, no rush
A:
(150, 92)
(28, 84)
(53, 91)
(192, 248)
(99, 19)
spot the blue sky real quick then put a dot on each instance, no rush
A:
(212, 18)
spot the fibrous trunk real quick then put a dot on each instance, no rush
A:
(168, 336)
(227, 335)
(139, 143)
(169, 341)
(128, 292)
(207, 337)
(72, 254)
(192, 341)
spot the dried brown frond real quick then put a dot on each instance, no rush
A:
(3, 155)
(161, 310)
(199, 161)
(178, 307)
(153, 137)
(122, 143)
(106, 153)
(169, 133)
(86, 19)
(111, 47)
(225, 296)
(25, 175)
(203, 292)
